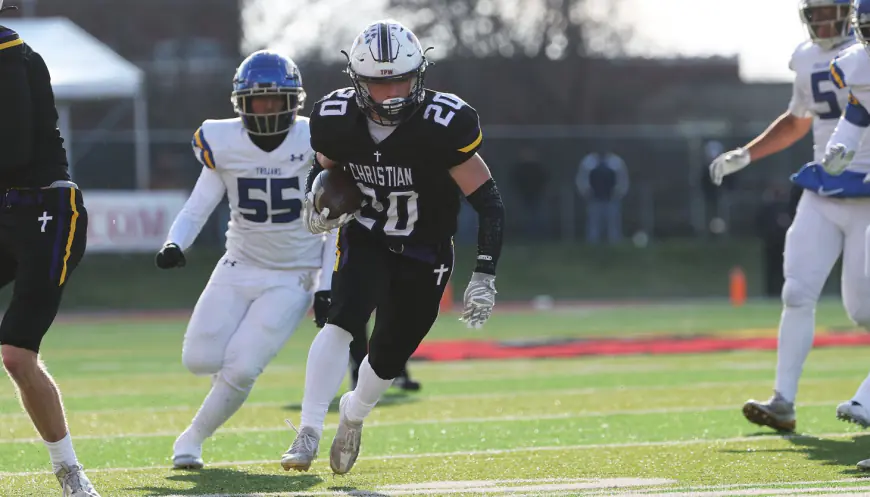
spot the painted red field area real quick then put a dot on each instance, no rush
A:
(479, 349)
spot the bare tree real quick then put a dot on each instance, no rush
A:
(535, 28)
(316, 29)
(462, 28)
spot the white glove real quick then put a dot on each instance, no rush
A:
(836, 159)
(728, 163)
(317, 222)
(478, 300)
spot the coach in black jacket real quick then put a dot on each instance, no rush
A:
(43, 226)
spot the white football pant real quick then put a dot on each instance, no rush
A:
(243, 318)
(823, 229)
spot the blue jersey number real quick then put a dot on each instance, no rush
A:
(275, 187)
(829, 97)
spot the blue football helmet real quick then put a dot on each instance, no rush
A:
(861, 21)
(827, 21)
(266, 73)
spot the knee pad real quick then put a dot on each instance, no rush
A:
(796, 294)
(860, 314)
(386, 366)
(201, 362)
(333, 332)
(241, 378)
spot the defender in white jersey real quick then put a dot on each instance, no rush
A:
(847, 161)
(825, 225)
(264, 285)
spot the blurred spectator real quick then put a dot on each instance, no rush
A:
(603, 181)
(529, 179)
(774, 218)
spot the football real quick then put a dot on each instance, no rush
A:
(336, 190)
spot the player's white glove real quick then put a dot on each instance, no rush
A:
(478, 300)
(317, 222)
(728, 163)
(836, 159)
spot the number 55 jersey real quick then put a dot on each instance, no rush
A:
(816, 94)
(410, 197)
(264, 191)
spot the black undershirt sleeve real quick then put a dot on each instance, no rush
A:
(486, 200)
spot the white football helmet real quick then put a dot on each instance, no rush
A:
(9, 7)
(838, 16)
(387, 51)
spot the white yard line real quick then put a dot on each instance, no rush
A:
(436, 421)
(492, 395)
(491, 452)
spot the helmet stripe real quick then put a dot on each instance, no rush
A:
(383, 43)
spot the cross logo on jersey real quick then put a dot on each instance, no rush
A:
(44, 219)
(377, 156)
(294, 158)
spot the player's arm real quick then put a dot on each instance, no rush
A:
(476, 183)
(782, 133)
(318, 162)
(847, 136)
(16, 119)
(323, 296)
(318, 222)
(206, 194)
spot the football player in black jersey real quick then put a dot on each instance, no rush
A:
(43, 232)
(412, 151)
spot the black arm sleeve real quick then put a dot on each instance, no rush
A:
(16, 119)
(486, 200)
(312, 173)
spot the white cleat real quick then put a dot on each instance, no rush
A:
(346, 444)
(776, 413)
(303, 452)
(187, 461)
(74, 483)
(864, 465)
(853, 412)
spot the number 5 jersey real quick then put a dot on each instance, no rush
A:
(817, 94)
(410, 196)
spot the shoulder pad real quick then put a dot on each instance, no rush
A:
(9, 38)
(851, 67)
(799, 52)
(213, 131)
(329, 118)
(459, 122)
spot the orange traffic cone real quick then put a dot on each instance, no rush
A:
(446, 303)
(737, 286)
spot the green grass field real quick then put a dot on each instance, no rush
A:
(638, 425)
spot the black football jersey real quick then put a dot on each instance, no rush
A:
(410, 195)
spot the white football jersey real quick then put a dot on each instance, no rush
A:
(816, 95)
(264, 190)
(850, 71)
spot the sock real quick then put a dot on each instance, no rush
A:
(862, 396)
(61, 452)
(327, 364)
(219, 405)
(368, 392)
(796, 329)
